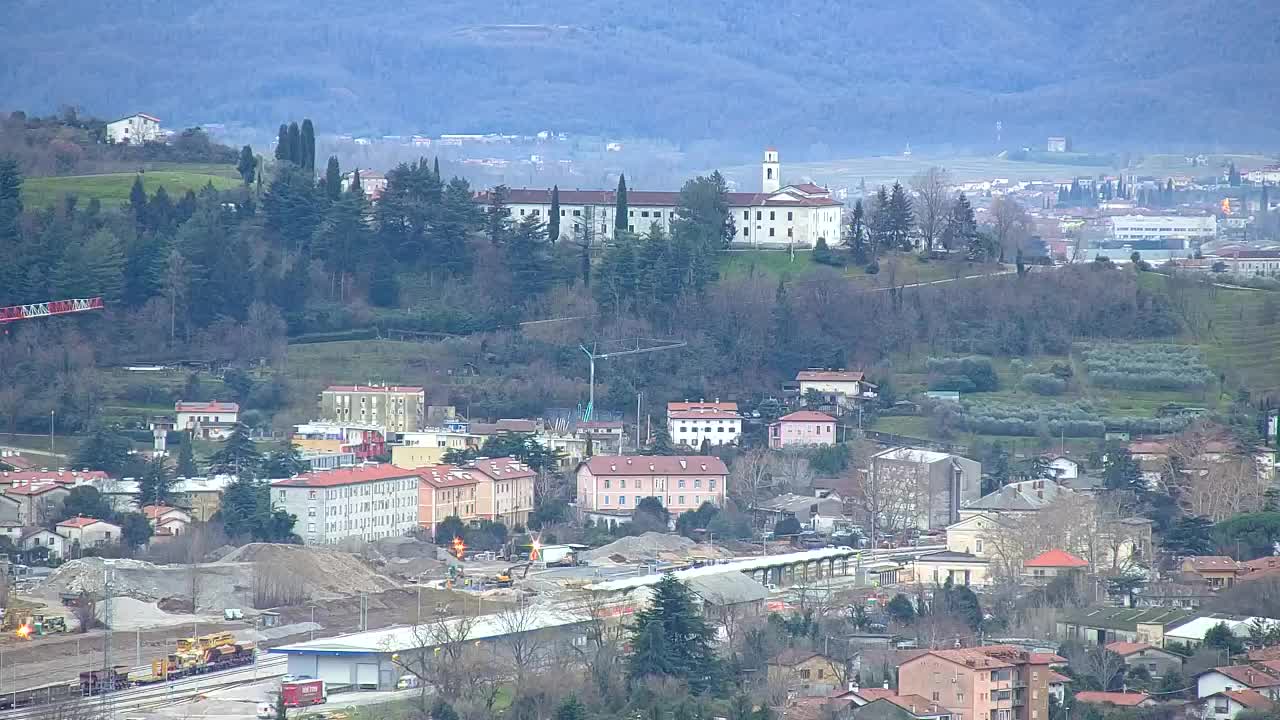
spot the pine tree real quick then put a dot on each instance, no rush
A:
(1233, 175)
(527, 260)
(248, 165)
(571, 709)
(160, 212)
(356, 188)
(498, 216)
(308, 136)
(620, 207)
(458, 217)
(822, 253)
(155, 486)
(283, 152)
(144, 265)
(186, 458)
(553, 221)
(138, 204)
(238, 454)
(899, 219)
(341, 238)
(878, 223)
(284, 462)
(671, 638)
(856, 238)
(435, 169)
(332, 179)
(95, 267)
(782, 330)
(961, 231)
(292, 209)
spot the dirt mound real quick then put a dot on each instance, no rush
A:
(216, 586)
(651, 546)
(322, 572)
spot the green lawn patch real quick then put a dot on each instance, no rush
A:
(775, 263)
(113, 188)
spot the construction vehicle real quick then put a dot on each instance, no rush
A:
(197, 655)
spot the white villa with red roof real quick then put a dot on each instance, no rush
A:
(134, 130)
(211, 420)
(776, 217)
(88, 532)
(689, 423)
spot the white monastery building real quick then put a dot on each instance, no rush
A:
(689, 423)
(134, 129)
(776, 217)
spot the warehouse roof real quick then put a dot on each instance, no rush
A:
(413, 637)
(727, 589)
(739, 566)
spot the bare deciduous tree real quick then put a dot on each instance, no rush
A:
(933, 201)
(1009, 224)
(753, 477)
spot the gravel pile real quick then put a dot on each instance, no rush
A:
(649, 547)
(324, 573)
(131, 614)
(218, 585)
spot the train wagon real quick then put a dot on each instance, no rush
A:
(96, 682)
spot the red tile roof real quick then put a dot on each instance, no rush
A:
(643, 198)
(702, 415)
(968, 657)
(809, 188)
(375, 388)
(1250, 698)
(503, 468)
(875, 693)
(154, 512)
(1056, 559)
(1125, 649)
(1269, 653)
(655, 465)
(66, 477)
(78, 522)
(34, 488)
(1055, 678)
(1202, 563)
(1121, 699)
(213, 406)
(829, 376)
(915, 704)
(444, 476)
(1254, 675)
(679, 406)
(806, 416)
(1263, 563)
(346, 476)
(18, 462)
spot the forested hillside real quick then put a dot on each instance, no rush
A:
(743, 72)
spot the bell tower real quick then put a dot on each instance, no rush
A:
(770, 172)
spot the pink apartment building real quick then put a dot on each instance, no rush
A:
(614, 484)
(804, 427)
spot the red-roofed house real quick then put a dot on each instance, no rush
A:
(611, 485)
(1154, 660)
(394, 408)
(1217, 571)
(65, 477)
(1118, 699)
(504, 491)
(981, 682)
(366, 502)
(88, 532)
(1227, 704)
(849, 383)
(173, 521)
(690, 423)
(211, 420)
(1052, 563)
(1058, 685)
(802, 428)
(443, 493)
(34, 538)
(33, 503)
(1263, 676)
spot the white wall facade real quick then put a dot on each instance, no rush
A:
(365, 510)
(717, 428)
(134, 129)
(1215, 682)
(1155, 227)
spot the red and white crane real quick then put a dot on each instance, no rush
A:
(51, 307)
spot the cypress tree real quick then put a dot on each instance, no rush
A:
(138, 204)
(900, 218)
(878, 222)
(186, 458)
(248, 165)
(295, 144)
(498, 216)
(282, 143)
(308, 136)
(856, 238)
(620, 208)
(553, 222)
(356, 188)
(333, 179)
(435, 168)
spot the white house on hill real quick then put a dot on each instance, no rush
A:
(134, 129)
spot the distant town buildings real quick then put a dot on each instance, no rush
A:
(134, 130)
(394, 408)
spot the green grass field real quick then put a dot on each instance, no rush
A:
(113, 188)
(895, 268)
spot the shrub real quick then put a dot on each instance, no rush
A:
(1042, 384)
(977, 369)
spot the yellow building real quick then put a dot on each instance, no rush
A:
(411, 457)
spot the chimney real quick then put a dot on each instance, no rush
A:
(853, 685)
(885, 685)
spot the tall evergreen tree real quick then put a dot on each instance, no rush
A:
(238, 455)
(899, 221)
(1233, 175)
(155, 486)
(160, 215)
(11, 273)
(553, 221)
(138, 205)
(435, 169)
(283, 462)
(498, 216)
(782, 331)
(307, 134)
(95, 267)
(333, 179)
(144, 265)
(283, 152)
(620, 206)
(961, 230)
(458, 217)
(295, 144)
(856, 236)
(528, 260)
(248, 165)
(186, 458)
(878, 223)
(292, 209)
(341, 237)
(670, 638)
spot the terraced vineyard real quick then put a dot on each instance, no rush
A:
(1241, 337)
